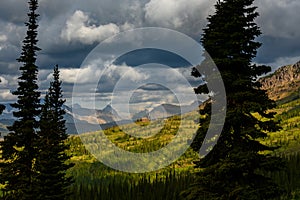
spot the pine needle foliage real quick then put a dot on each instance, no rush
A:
(233, 169)
(52, 157)
(19, 146)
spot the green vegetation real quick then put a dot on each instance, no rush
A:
(33, 154)
(289, 140)
(253, 159)
(51, 156)
(94, 180)
(235, 168)
(19, 146)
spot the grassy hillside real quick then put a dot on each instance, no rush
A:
(92, 176)
(94, 180)
(288, 138)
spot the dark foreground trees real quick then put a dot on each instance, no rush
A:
(19, 146)
(234, 168)
(51, 159)
(33, 158)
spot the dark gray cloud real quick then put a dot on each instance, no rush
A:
(144, 56)
(70, 29)
(153, 87)
(277, 47)
(278, 21)
(13, 11)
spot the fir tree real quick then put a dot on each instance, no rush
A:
(51, 161)
(233, 169)
(2, 107)
(18, 147)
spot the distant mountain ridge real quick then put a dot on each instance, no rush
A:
(78, 119)
(166, 110)
(93, 116)
(81, 120)
(283, 83)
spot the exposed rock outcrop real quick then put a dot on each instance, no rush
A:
(283, 82)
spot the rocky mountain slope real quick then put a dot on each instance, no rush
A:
(283, 83)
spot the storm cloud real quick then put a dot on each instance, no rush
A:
(70, 29)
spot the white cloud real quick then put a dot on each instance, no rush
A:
(78, 28)
(3, 38)
(6, 95)
(127, 26)
(165, 12)
(3, 82)
(88, 74)
(44, 74)
(68, 75)
(67, 26)
(99, 69)
(177, 13)
(125, 72)
(8, 81)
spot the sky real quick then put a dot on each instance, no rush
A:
(70, 29)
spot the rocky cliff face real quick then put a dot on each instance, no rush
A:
(283, 82)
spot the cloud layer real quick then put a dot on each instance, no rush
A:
(78, 28)
(70, 29)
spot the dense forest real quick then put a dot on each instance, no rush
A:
(256, 156)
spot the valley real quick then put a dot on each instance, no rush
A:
(94, 180)
(94, 177)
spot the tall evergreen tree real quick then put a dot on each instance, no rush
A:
(51, 160)
(18, 147)
(2, 107)
(233, 169)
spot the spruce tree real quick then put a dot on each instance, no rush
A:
(51, 160)
(2, 107)
(236, 166)
(18, 148)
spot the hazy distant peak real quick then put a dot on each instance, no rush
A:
(108, 108)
